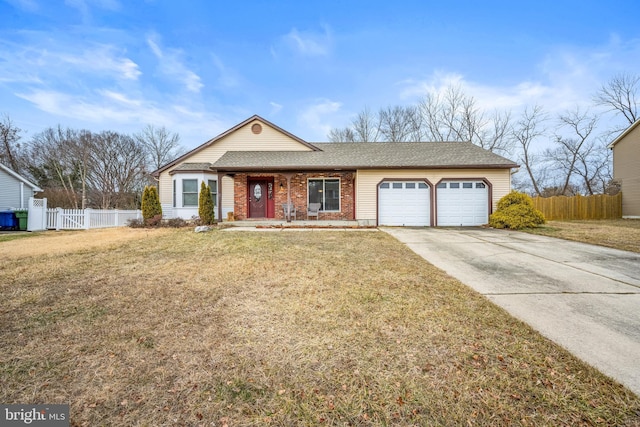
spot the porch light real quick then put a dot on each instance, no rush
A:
(281, 187)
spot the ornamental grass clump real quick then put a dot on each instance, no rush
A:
(205, 205)
(151, 208)
(516, 211)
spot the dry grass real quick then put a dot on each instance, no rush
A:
(614, 233)
(289, 328)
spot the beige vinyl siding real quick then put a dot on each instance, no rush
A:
(242, 139)
(226, 202)
(165, 184)
(626, 170)
(368, 180)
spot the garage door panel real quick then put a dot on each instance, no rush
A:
(404, 203)
(463, 203)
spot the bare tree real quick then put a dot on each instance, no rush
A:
(454, 116)
(594, 166)
(160, 145)
(569, 149)
(341, 135)
(366, 128)
(398, 124)
(118, 165)
(621, 94)
(81, 148)
(9, 136)
(528, 129)
(52, 163)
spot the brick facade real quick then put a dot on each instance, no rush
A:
(298, 194)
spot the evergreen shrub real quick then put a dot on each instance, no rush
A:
(151, 208)
(516, 211)
(205, 205)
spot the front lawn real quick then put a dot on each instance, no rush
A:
(614, 233)
(169, 328)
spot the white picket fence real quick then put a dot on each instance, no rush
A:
(84, 219)
(41, 218)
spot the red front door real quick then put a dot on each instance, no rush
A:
(258, 195)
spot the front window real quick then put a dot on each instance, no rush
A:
(189, 192)
(326, 192)
(213, 185)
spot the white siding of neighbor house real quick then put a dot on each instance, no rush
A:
(242, 139)
(10, 192)
(367, 185)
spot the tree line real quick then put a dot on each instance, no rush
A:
(574, 158)
(82, 169)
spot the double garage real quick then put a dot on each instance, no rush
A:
(455, 203)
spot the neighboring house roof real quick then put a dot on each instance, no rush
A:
(624, 133)
(368, 155)
(225, 133)
(20, 178)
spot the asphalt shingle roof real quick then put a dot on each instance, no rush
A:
(370, 155)
(193, 167)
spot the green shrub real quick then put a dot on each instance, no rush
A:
(151, 207)
(205, 205)
(516, 211)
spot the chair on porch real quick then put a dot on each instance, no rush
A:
(289, 209)
(313, 210)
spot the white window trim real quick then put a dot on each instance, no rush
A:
(197, 193)
(200, 177)
(323, 179)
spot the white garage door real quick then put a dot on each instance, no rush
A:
(404, 203)
(462, 203)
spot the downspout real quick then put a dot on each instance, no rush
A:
(21, 195)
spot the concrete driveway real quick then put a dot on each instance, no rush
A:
(584, 297)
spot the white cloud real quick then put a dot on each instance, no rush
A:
(319, 116)
(170, 63)
(29, 63)
(275, 108)
(120, 97)
(564, 78)
(104, 59)
(309, 43)
(116, 111)
(226, 77)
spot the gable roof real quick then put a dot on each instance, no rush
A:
(624, 133)
(20, 178)
(368, 155)
(227, 132)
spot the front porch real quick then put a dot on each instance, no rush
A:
(263, 195)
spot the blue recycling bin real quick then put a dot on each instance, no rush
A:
(8, 220)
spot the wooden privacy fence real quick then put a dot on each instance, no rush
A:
(599, 206)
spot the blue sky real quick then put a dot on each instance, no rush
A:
(200, 67)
